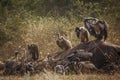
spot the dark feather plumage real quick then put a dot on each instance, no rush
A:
(102, 26)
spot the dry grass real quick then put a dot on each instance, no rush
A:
(52, 76)
(42, 32)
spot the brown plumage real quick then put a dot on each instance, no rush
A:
(82, 34)
(63, 43)
(2, 66)
(33, 51)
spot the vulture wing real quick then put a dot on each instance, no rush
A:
(89, 27)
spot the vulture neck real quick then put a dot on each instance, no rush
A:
(59, 36)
